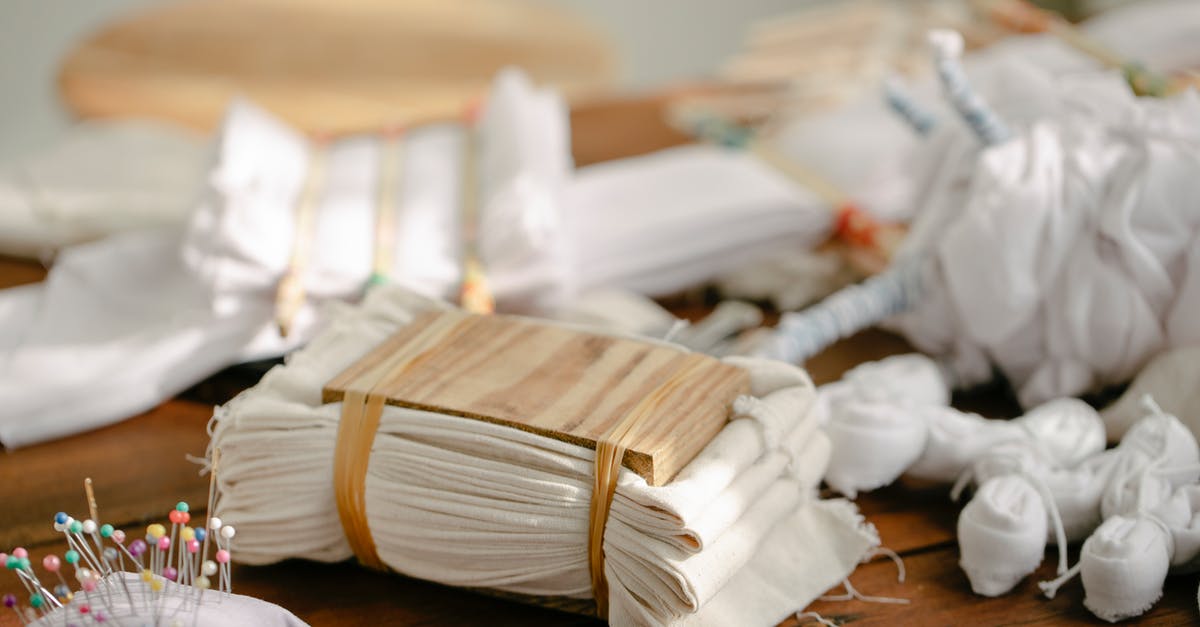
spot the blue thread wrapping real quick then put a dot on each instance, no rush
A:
(986, 124)
(900, 100)
(800, 335)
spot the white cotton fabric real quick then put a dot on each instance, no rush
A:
(1173, 379)
(1002, 534)
(666, 221)
(102, 178)
(1066, 255)
(467, 503)
(123, 323)
(216, 609)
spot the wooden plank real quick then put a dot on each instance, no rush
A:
(138, 468)
(553, 381)
(325, 68)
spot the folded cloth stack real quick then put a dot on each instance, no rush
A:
(738, 536)
(122, 323)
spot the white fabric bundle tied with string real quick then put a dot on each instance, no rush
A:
(1054, 236)
(738, 535)
(166, 308)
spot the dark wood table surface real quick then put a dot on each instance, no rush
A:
(140, 471)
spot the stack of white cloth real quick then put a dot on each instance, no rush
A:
(127, 321)
(737, 537)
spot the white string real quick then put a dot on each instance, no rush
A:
(852, 593)
(895, 557)
(800, 616)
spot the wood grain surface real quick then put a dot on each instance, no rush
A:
(553, 381)
(140, 471)
(326, 67)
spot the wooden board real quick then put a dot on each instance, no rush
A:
(327, 67)
(553, 381)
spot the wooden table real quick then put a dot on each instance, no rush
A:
(140, 471)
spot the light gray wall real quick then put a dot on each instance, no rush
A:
(658, 40)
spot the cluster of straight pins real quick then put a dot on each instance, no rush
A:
(119, 582)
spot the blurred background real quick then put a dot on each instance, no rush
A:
(651, 43)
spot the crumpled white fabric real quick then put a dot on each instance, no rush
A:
(1017, 481)
(216, 609)
(1173, 379)
(1067, 260)
(103, 178)
(739, 532)
(122, 323)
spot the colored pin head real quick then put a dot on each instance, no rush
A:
(193, 546)
(214, 523)
(51, 563)
(20, 552)
(137, 547)
(62, 591)
(10, 600)
(222, 556)
(181, 507)
(110, 554)
(170, 573)
(89, 526)
(75, 526)
(210, 567)
(228, 532)
(36, 600)
(118, 536)
(175, 516)
(106, 531)
(61, 518)
(201, 534)
(72, 557)
(164, 543)
(187, 533)
(156, 531)
(12, 562)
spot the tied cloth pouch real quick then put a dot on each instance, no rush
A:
(622, 477)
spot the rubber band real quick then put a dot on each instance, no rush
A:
(390, 168)
(290, 296)
(610, 451)
(362, 411)
(475, 295)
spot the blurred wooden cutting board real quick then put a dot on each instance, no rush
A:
(326, 66)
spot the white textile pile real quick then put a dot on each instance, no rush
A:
(122, 323)
(127, 321)
(737, 537)
(176, 604)
(103, 178)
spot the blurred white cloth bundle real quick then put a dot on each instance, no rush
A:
(1069, 259)
(122, 323)
(166, 308)
(1054, 233)
(738, 536)
(102, 178)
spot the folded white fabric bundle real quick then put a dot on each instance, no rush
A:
(123, 323)
(103, 178)
(739, 532)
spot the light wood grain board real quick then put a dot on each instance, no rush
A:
(328, 67)
(553, 381)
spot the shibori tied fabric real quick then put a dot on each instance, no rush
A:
(122, 323)
(738, 537)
